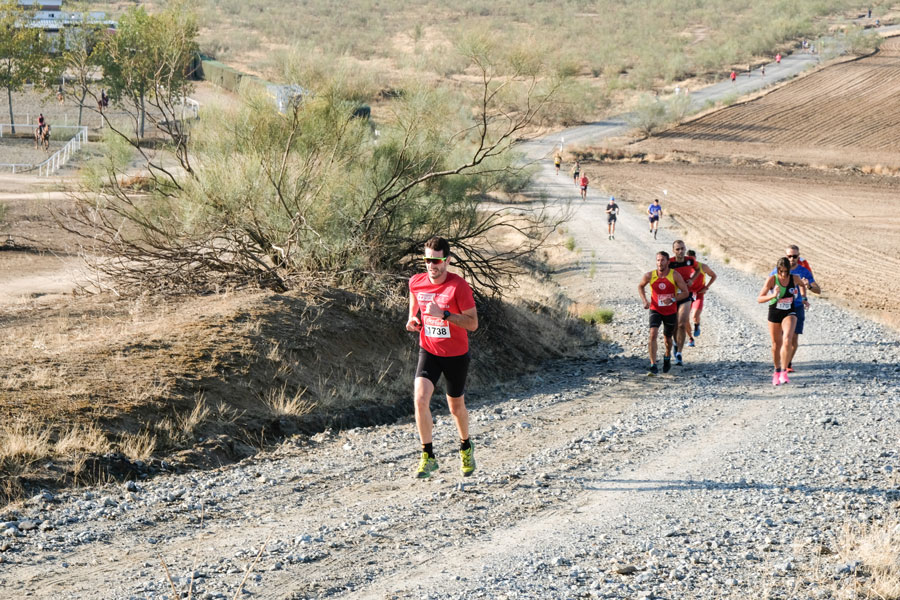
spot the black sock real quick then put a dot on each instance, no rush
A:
(465, 445)
(778, 370)
(428, 449)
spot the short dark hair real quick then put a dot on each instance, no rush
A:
(663, 253)
(691, 253)
(439, 244)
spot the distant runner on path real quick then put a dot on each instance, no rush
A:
(584, 185)
(557, 161)
(576, 171)
(733, 76)
(655, 211)
(780, 291)
(612, 213)
(778, 58)
(448, 311)
(666, 288)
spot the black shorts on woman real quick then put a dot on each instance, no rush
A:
(454, 368)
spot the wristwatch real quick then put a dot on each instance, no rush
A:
(447, 314)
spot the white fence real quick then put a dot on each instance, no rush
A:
(57, 159)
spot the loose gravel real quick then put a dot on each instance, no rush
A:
(593, 480)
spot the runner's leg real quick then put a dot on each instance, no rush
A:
(776, 336)
(423, 390)
(460, 415)
(654, 333)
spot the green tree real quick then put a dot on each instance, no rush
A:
(315, 194)
(147, 62)
(78, 57)
(24, 53)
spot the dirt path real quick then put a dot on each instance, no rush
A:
(593, 480)
(587, 470)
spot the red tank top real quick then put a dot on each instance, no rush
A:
(700, 281)
(662, 293)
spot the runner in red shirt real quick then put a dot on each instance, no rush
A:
(698, 287)
(686, 266)
(584, 184)
(667, 287)
(733, 76)
(448, 313)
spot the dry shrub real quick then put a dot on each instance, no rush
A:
(82, 439)
(283, 404)
(23, 442)
(877, 548)
(138, 446)
(138, 183)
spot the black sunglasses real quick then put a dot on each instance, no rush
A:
(793, 256)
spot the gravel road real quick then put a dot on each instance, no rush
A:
(593, 480)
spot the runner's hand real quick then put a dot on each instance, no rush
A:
(414, 324)
(646, 305)
(433, 310)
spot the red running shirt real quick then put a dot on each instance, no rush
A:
(685, 267)
(662, 293)
(700, 281)
(440, 337)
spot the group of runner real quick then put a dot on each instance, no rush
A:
(785, 291)
(442, 311)
(678, 287)
(580, 179)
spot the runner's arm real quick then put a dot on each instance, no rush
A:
(683, 291)
(764, 295)
(709, 282)
(812, 285)
(803, 292)
(468, 319)
(641, 292)
(412, 322)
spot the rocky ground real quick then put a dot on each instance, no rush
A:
(593, 480)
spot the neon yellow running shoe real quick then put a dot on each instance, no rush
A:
(467, 458)
(427, 466)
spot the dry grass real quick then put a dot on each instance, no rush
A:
(281, 403)
(876, 548)
(22, 442)
(138, 446)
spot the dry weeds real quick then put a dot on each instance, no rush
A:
(876, 549)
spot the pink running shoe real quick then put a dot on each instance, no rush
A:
(776, 378)
(784, 377)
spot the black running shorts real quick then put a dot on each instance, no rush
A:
(667, 321)
(454, 368)
(777, 316)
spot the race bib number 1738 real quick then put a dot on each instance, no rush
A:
(437, 331)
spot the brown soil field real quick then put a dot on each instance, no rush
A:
(846, 114)
(795, 166)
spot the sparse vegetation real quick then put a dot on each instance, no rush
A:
(653, 114)
(875, 548)
(597, 315)
(570, 243)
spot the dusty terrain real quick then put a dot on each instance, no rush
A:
(593, 480)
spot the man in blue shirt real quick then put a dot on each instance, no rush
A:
(655, 212)
(805, 275)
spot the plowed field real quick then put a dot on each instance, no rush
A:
(845, 114)
(734, 199)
